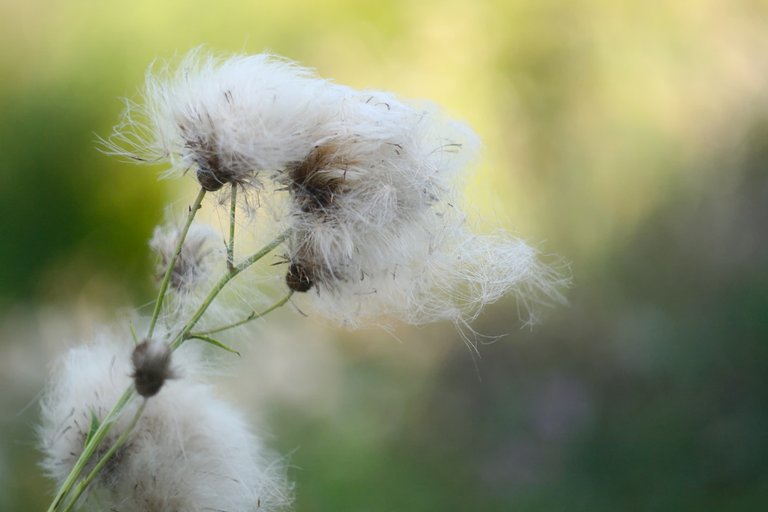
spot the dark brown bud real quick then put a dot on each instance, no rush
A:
(317, 179)
(298, 278)
(211, 173)
(209, 180)
(151, 367)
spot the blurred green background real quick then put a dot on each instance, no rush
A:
(629, 137)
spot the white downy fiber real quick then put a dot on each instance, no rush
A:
(189, 451)
(372, 186)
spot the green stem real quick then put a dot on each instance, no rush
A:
(231, 245)
(167, 277)
(85, 482)
(252, 316)
(90, 448)
(214, 342)
(184, 334)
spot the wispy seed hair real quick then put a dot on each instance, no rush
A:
(189, 451)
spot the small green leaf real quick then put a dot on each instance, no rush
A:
(216, 343)
(93, 428)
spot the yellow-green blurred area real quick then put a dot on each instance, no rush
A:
(629, 137)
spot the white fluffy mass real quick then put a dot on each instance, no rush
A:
(377, 228)
(371, 184)
(230, 119)
(201, 244)
(189, 451)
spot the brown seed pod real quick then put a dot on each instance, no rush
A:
(209, 180)
(298, 278)
(211, 172)
(318, 179)
(151, 367)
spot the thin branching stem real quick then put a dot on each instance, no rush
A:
(214, 342)
(184, 333)
(169, 271)
(253, 316)
(76, 488)
(85, 482)
(231, 244)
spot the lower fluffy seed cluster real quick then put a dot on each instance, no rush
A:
(188, 452)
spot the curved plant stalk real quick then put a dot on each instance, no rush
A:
(231, 244)
(90, 448)
(252, 316)
(214, 342)
(167, 277)
(85, 482)
(243, 265)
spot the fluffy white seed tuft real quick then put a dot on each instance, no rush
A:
(195, 259)
(225, 119)
(372, 186)
(452, 281)
(377, 229)
(189, 451)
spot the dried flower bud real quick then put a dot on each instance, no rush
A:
(212, 173)
(151, 367)
(298, 278)
(317, 179)
(209, 180)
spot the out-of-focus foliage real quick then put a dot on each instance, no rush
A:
(629, 136)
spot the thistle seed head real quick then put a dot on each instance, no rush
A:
(189, 451)
(318, 178)
(227, 119)
(194, 260)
